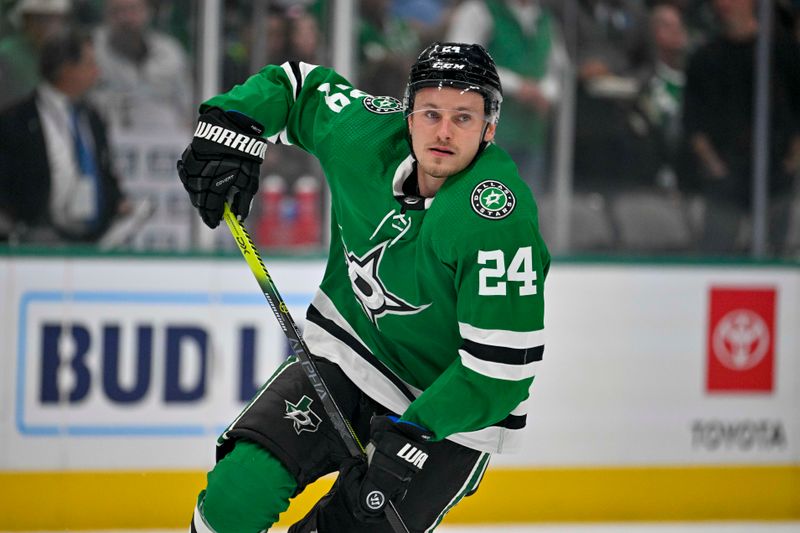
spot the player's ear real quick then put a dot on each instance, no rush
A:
(489, 133)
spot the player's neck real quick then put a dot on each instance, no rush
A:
(428, 185)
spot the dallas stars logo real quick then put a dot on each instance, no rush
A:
(372, 294)
(382, 105)
(493, 200)
(301, 414)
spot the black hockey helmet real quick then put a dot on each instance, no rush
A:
(459, 65)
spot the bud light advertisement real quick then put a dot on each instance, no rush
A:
(142, 363)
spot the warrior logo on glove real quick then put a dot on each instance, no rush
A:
(238, 141)
(222, 164)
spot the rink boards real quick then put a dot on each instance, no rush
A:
(669, 391)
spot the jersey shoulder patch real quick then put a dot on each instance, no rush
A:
(492, 200)
(382, 105)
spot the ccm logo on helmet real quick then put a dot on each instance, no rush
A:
(238, 141)
(448, 66)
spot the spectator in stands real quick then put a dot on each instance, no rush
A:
(613, 40)
(144, 74)
(56, 179)
(718, 123)
(241, 36)
(525, 42)
(293, 176)
(614, 55)
(387, 47)
(429, 18)
(658, 107)
(304, 37)
(87, 13)
(34, 21)
(698, 18)
(300, 41)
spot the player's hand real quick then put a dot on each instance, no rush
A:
(396, 452)
(222, 164)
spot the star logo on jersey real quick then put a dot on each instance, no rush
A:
(372, 294)
(301, 414)
(382, 105)
(493, 200)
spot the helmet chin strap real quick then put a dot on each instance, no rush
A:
(483, 144)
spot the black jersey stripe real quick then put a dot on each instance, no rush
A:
(501, 354)
(298, 75)
(513, 422)
(313, 314)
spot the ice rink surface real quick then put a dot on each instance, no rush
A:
(672, 527)
(752, 527)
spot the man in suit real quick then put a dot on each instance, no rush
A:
(56, 177)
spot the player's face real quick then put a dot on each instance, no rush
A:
(446, 126)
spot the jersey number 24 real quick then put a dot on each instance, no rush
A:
(493, 278)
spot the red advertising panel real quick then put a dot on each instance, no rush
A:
(741, 340)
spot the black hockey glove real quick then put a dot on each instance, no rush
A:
(222, 164)
(397, 450)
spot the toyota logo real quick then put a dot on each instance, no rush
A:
(740, 339)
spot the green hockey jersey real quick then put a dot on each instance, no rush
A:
(434, 307)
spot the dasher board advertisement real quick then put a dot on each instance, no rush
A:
(140, 363)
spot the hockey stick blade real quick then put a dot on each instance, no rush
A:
(298, 346)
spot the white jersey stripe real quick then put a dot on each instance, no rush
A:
(305, 69)
(362, 374)
(282, 136)
(325, 306)
(199, 522)
(287, 68)
(320, 342)
(492, 439)
(502, 337)
(523, 407)
(498, 370)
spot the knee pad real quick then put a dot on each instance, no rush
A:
(245, 492)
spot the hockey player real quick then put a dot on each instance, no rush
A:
(428, 324)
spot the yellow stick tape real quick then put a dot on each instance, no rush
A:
(165, 499)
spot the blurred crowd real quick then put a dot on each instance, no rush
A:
(661, 129)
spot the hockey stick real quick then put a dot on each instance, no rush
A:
(298, 345)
